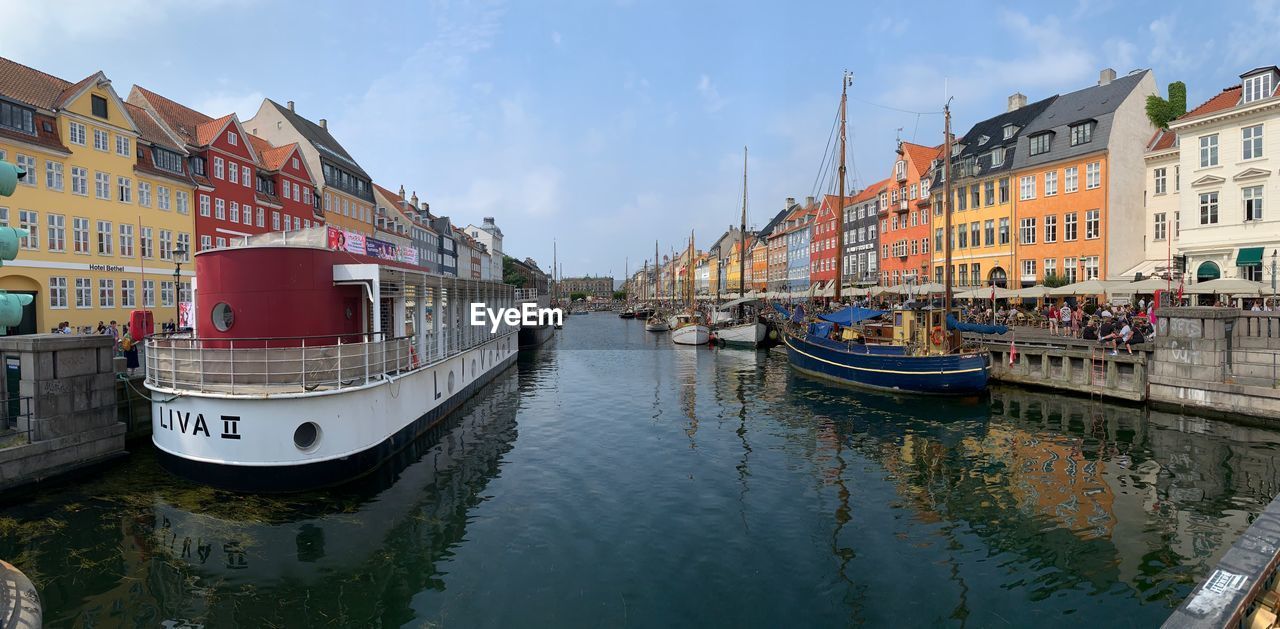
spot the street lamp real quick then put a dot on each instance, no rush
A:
(179, 256)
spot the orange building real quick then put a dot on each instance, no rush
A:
(904, 216)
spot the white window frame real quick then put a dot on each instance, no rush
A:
(1251, 142)
(1209, 150)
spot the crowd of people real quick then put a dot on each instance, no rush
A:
(125, 343)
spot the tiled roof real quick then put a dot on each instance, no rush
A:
(271, 157)
(1097, 103)
(1226, 99)
(182, 120)
(149, 128)
(72, 89)
(206, 132)
(48, 139)
(921, 156)
(1163, 139)
(870, 192)
(320, 138)
(29, 85)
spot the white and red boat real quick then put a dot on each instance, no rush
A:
(311, 364)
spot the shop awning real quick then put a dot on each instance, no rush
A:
(1249, 256)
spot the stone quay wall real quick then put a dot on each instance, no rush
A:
(1218, 361)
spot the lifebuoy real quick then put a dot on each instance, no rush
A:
(937, 336)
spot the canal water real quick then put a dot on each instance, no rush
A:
(612, 480)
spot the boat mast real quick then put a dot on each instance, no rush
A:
(742, 237)
(844, 97)
(689, 273)
(946, 212)
(657, 273)
(553, 272)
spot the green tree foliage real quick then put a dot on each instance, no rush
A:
(1053, 280)
(619, 295)
(577, 296)
(510, 275)
(1162, 111)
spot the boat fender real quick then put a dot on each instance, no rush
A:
(18, 598)
(413, 354)
(773, 334)
(937, 335)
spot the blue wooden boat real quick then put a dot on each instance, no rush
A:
(888, 367)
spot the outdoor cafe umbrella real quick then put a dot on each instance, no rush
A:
(1143, 287)
(1087, 287)
(984, 292)
(1031, 292)
(1226, 286)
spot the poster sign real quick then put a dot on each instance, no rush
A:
(186, 311)
(380, 249)
(343, 240)
(408, 255)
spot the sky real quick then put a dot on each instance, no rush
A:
(607, 124)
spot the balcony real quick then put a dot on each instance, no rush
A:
(903, 207)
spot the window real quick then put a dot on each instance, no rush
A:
(146, 243)
(1093, 175)
(57, 292)
(1091, 267)
(144, 194)
(184, 241)
(1257, 87)
(1252, 203)
(1027, 187)
(1071, 179)
(989, 192)
(126, 240)
(1069, 227)
(937, 239)
(900, 169)
(975, 198)
(1177, 178)
(275, 221)
(1040, 143)
(235, 212)
(102, 185)
(52, 175)
(1209, 208)
(219, 168)
(197, 165)
(1160, 180)
(80, 234)
(997, 157)
(1208, 150)
(148, 293)
(262, 217)
(963, 241)
(19, 118)
(1081, 133)
(57, 232)
(162, 197)
(1028, 269)
(166, 294)
(1051, 183)
(122, 146)
(1027, 231)
(107, 293)
(127, 294)
(1251, 139)
(125, 187)
(98, 106)
(234, 175)
(184, 292)
(989, 233)
(1051, 228)
(1050, 266)
(1004, 231)
(79, 181)
(248, 215)
(30, 221)
(104, 238)
(100, 140)
(166, 244)
(1160, 227)
(206, 242)
(306, 192)
(232, 139)
(84, 292)
(181, 200)
(167, 160)
(220, 209)
(28, 163)
(1069, 269)
(76, 131)
(975, 234)
(222, 242)
(1004, 190)
(1092, 224)
(204, 205)
(245, 179)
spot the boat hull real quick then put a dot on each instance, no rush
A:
(247, 443)
(533, 336)
(691, 335)
(750, 335)
(886, 368)
(660, 326)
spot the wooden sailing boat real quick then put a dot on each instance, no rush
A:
(741, 330)
(690, 328)
(924, 356)
(657, 321)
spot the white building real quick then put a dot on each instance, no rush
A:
(1163, 210)
(1228, 160)
(490, 236)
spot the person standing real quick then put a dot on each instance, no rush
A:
(1077, 317)
(130, 349)
(1053, 319)
(1064, 315)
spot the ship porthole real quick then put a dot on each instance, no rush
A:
(306, 436)
(450, 382)
(222, 316)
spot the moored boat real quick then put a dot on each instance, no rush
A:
(751, 334)
(350, 359)
(690, 329)
(888, 367)
(656, 323)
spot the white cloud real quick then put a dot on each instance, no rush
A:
(711, 99)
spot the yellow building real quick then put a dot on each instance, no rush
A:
(103, 218)
(731, 274)
(346, 190)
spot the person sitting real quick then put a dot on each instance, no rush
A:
(1090, 331)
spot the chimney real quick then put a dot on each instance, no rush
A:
(790, 202)
(401, 192)
(324, 124)
(1017, 100)
(1106, 76)
(290, 103)
(808, 201)
(413, 200)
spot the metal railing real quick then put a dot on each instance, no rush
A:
(264, 366)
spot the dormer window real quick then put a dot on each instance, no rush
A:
(1258, 86)
(955, 149)
(982, 139)
(1009, 130)
(1082, 132)
(1041, 143)
(18, 118)
(997, 157)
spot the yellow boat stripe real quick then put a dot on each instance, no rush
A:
(906, 373)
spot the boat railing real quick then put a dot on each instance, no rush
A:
(283, 364)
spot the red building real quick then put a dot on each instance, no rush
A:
(285, 186)
(904, 216)
(225, 165)
(823, 255)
